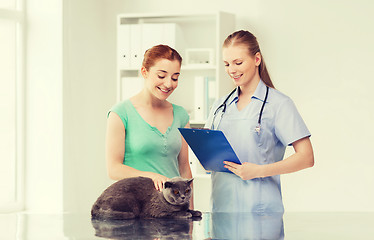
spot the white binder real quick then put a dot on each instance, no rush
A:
(136, 46)
(170, 34)
(152, 35)
(123, 46)
(200, 94)
(158, 33)
(134, 39)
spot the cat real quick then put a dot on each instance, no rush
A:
(137, 197)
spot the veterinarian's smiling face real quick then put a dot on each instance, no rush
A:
(241, 67)
(162, 78)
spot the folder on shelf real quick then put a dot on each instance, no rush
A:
(210, 147)
(136, 57)
(158, 33)
(123, 46)
(200, 94)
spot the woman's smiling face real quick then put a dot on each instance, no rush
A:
(162, 78)
(240, 66)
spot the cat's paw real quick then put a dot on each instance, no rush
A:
(195, 213)
(182, 215)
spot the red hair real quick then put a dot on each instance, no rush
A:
(160, 52)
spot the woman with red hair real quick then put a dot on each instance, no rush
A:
(142, 131)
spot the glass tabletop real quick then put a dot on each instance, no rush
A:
(30, 226)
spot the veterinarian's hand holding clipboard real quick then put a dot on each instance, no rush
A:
(210, 147)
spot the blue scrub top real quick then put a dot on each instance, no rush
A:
(281, 125)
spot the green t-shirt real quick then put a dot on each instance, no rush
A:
(146, 148)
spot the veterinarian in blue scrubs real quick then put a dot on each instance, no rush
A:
(259, 122)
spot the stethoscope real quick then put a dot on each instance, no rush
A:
(223, 107)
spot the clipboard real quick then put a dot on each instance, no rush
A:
(210, 147)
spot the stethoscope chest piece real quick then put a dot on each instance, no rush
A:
(258, 129)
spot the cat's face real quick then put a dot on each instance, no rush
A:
(177, 191)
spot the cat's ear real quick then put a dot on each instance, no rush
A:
(168, 184)
(189, 181)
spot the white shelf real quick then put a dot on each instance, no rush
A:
(184, 67)
(199, 67)
(129, 69)
(162, 17)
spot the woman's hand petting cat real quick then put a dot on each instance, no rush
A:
(158, 180)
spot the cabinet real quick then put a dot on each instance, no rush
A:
(198, 37)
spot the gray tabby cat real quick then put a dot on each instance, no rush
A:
(137, 197)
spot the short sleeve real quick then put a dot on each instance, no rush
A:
(182, 115)
(120, 110)
(289, 125)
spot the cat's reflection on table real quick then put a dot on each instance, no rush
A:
(254, 226)
(157, 228)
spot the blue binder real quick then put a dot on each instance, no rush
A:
(210, 147)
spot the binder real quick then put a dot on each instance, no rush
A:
(123, 45)
(158, 33)
(210, 147)
(204, 97)
(137, 54)
(134, 39)
(170, 34)
(211, 94)
(199, 100)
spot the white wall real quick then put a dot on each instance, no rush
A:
(68, 95)
(44, 127)
(88, 93)
(322, 57)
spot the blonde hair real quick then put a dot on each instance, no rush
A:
(249, 40)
